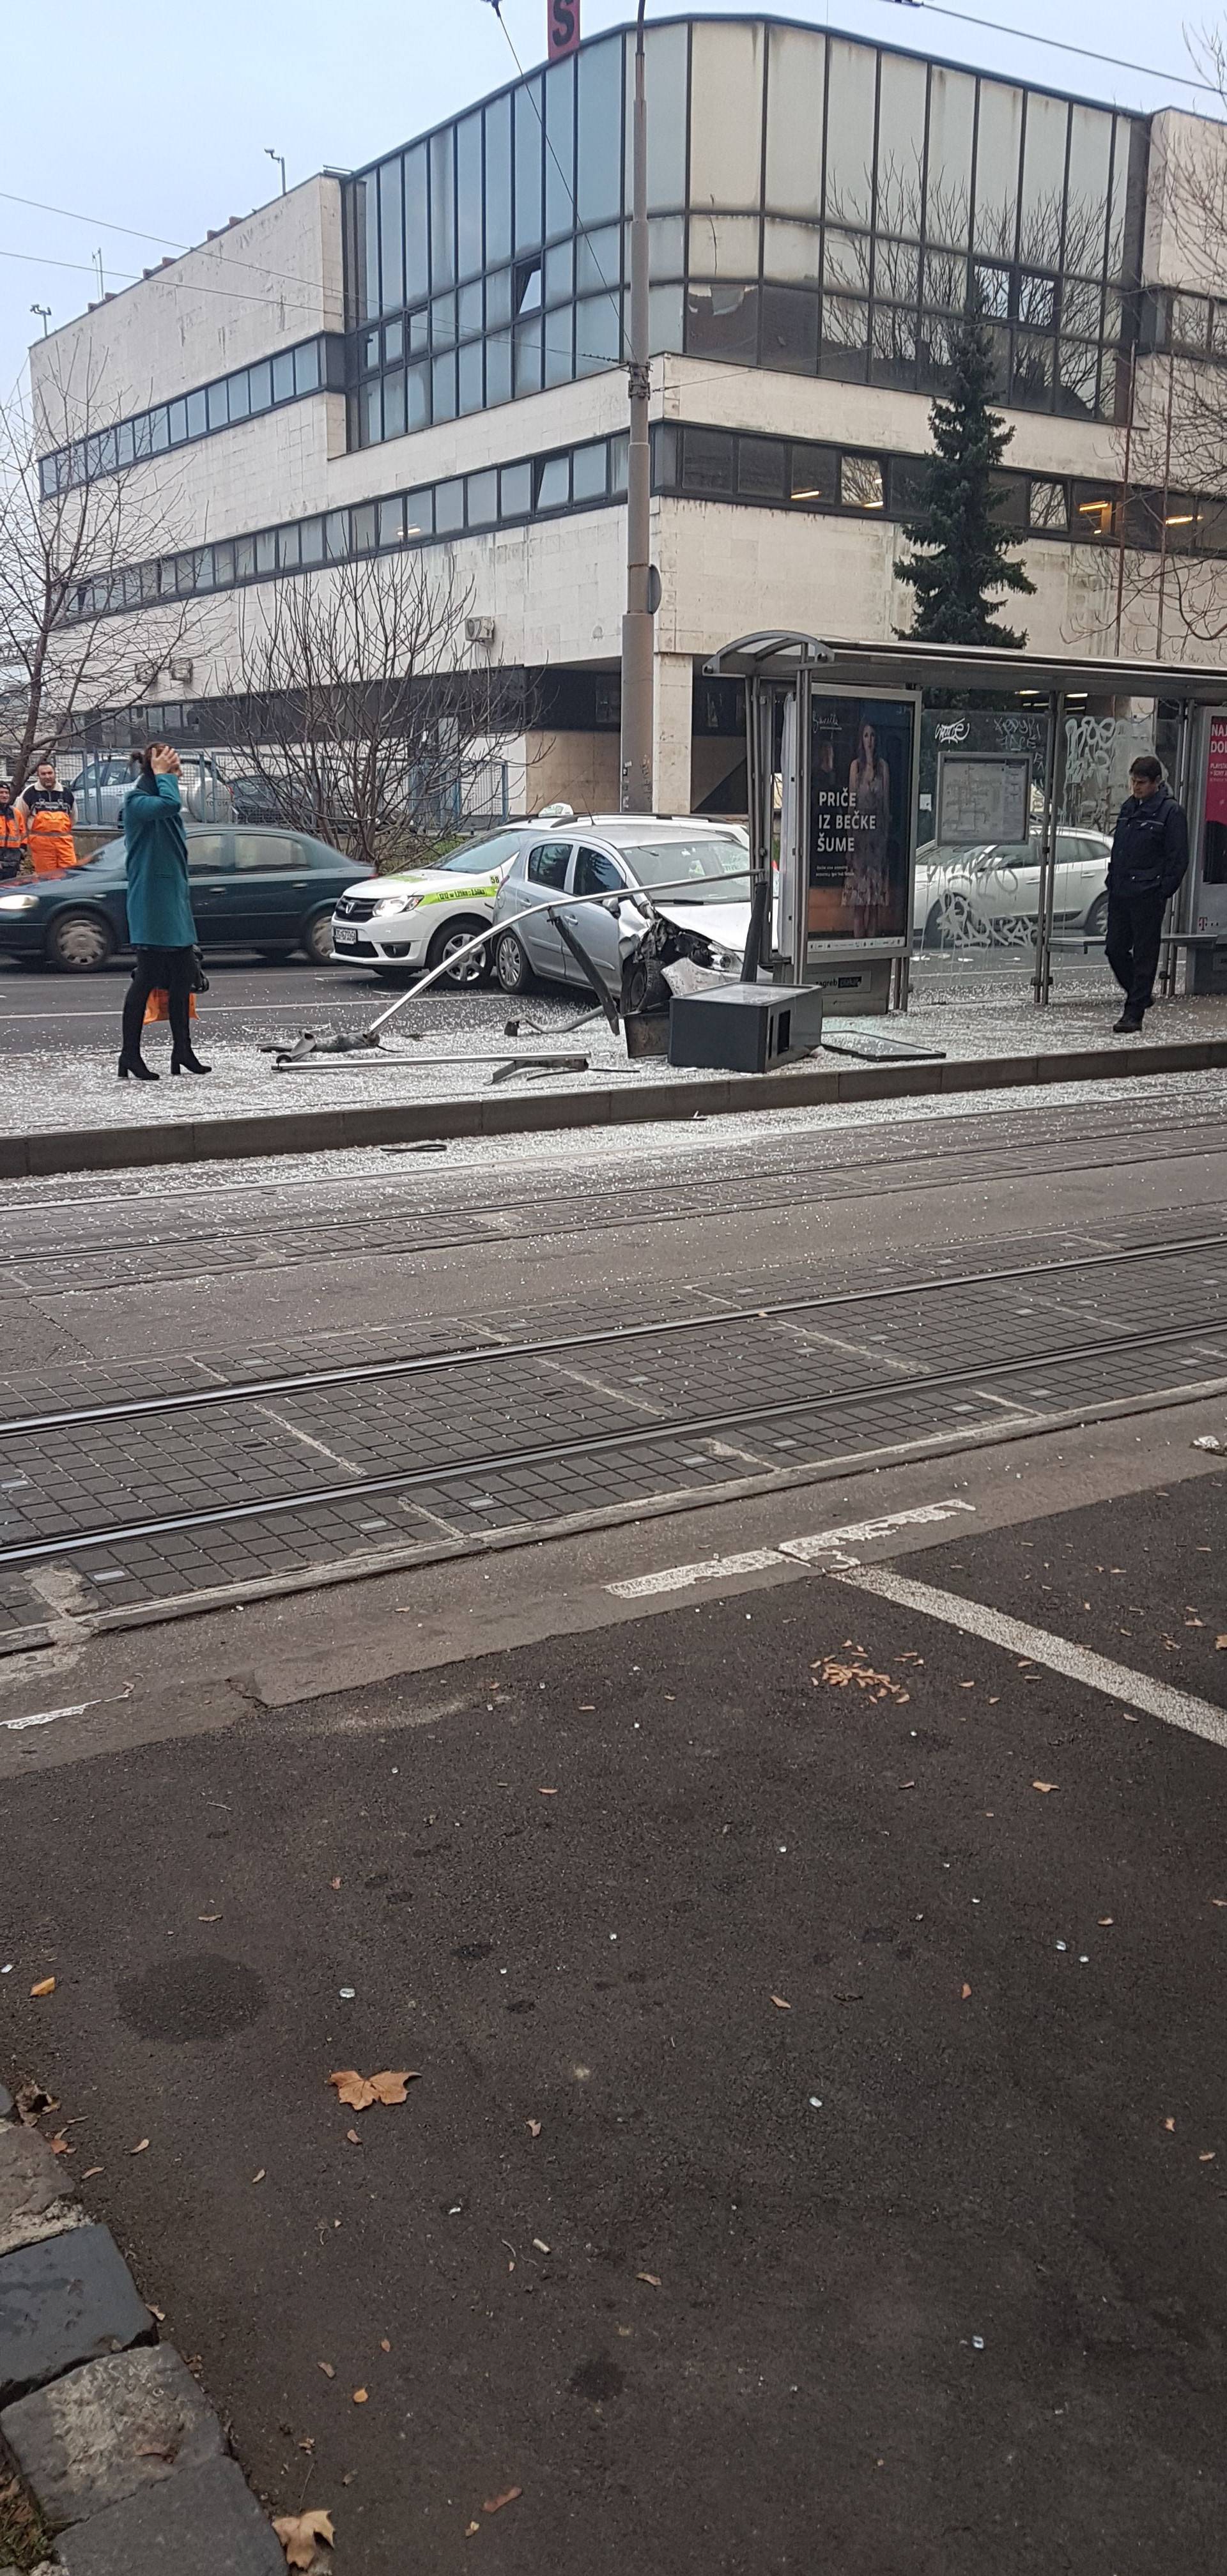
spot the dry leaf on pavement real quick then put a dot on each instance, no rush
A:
(1044, 1786)
(533, 2127)
(359, 2091)
(1221, 1643)
(495, 2504)
(965, 1994)
(326, 2367)
(139, 2148)
(652, 2279)
(1169, 2124)
(299, 2532)
(45, 1986)
(780, 2004)
(360, 2396)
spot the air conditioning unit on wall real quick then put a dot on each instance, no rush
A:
(479, 630)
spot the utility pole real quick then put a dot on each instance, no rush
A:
(279, 158)
(45, 311)
(642, 589)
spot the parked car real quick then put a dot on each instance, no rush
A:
(421, 917)
(988, 895)
(100, 787)
(615, 854)
(268, 890)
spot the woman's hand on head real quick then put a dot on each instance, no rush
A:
(164, 762)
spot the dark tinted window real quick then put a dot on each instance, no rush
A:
(265, 850)
(547, 864)
(595, 874)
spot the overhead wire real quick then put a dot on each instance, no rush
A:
(1058, 44)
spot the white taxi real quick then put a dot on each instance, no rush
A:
(421, 917)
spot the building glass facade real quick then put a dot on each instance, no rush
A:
(818, 205)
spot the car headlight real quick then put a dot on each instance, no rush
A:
(18, 902)
(396, 903)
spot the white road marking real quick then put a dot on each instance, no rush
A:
(854, 1533)
(1074, 1663)
(802, 1551)
(48, 1716)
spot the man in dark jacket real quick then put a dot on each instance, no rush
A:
(1150, 852)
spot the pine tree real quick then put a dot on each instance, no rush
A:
(966, 556)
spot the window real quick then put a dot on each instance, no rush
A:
(259, 385)
(218, 406)
(449, 508)
(762, 465)
(266, 551)
(483, 499)
(850, 128)
(289, 549)
(707, 460)
(860, 483)
(595, 874)
(547, 864)
(1048, 507)
(336, 535)
(590, 473)
(790, 330)
(815, 472)
(363, 528)
(392, 522)
(1094, 511)
(420, 513)
(263, 851)
(516, 491)
(552, 483)
(239, 396)
(283, 376)
(722, 322)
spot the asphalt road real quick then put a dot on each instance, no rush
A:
(819, 2148)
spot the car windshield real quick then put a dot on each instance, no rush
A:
(673, 864)
(480, 858)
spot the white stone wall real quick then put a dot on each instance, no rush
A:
(261, 285)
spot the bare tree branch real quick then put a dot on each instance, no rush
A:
(357, 705)
(70, 558)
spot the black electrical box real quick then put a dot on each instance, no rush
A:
(745, 1028)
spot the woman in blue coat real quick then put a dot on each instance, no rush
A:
(160, 924)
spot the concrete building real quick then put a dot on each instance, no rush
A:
(426, 353)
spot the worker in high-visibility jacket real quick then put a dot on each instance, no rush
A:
(12, 832)
(47, 809)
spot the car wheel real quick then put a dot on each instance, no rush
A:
(80, 943)
(446, 945)
(316, 942)
(511, 965)
(1097, 918)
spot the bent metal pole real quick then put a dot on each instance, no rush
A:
(533, 911)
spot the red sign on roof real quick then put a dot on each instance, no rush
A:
(563, 20)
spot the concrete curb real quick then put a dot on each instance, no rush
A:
(116, 2451)
(328, 1131)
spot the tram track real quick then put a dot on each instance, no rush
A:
(288, 1240)
(202, 1496)
(433, 1363)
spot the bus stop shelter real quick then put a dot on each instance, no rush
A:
(854, 749)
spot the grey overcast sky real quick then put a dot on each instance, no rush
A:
(159, 119)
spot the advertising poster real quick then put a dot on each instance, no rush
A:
(860, 799)
(1211, 910)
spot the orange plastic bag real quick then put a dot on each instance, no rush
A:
(158, 1006)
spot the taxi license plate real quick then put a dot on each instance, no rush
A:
(343, 936)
